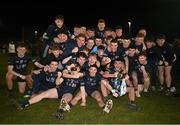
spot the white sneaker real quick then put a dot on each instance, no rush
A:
(173, 89)
(108, 106)
(64, 105)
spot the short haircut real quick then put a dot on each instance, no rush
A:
(98, 37)
(118, 59)
(91, 38)
(60, 17)
(118, 27)
(81, 35)
(108, 29)
(114, 41)
(55, 47)
(101, 47)
(140, 35)
(149, 39)
(109, 38)
(65, 32)
(86, 49)
(77, 26)
(101, 21)
(161, 36)
(22, 45)
(94, 65)
(90, 28)
(142, 54)
(81, 54)
(93, 54)
(132, 46)
(54, 60)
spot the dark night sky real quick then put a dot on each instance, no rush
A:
(158, 16)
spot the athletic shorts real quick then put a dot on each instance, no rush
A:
(90, 91)
(61, 92)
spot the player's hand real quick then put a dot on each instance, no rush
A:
(137, 51)
(46, 68)
(61, 52)
(59, 74)
(106, 60)
(143, 68)
(75, 50)
(116, 74)
(56, 40)
(81, 74)
(78, 75)
(126, 52)
(22, 77)
(115, 94)
(36, 72)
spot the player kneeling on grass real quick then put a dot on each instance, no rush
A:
(17, 68)
(91, 83)
(116, 81)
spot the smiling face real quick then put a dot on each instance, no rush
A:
(80, 41)
(53, 66)
(90, 43)
(62, 37)
(113, 46)
(92, 59)
(118, 64)
(92, 71)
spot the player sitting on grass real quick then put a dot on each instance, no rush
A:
(90, 88)
(115, 80)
